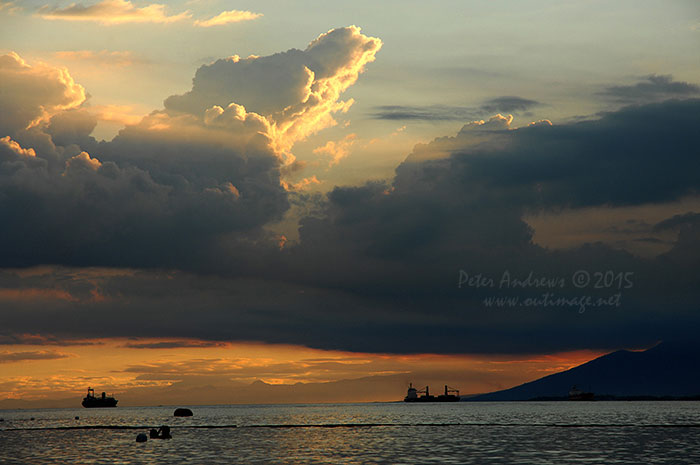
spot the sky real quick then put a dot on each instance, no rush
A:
(241, 201)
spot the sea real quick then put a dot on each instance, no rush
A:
(363, 433)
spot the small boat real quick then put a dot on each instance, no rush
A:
(90, 401)
(450, 395)
(576, 394)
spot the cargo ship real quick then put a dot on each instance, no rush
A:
(90, 401)
(450, 395)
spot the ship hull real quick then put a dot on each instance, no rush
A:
(99, 403)
(433, 399)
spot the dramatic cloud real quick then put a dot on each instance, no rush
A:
(32, 94)
(196, 178)
(225, 179)
(506, 104)
(295, 107)
(183, 201)
(227, 17)
(380, 263)
(652, 88)
(112, 12)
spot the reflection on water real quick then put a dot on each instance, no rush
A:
(527, 433)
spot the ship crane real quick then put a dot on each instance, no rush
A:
(449, 390)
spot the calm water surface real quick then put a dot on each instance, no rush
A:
(391, 433)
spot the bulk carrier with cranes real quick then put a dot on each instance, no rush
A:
(423, 395)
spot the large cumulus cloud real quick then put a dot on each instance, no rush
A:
(296, 106)
(202, 174)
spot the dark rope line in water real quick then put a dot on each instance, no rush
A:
(355, 425)
(545, 425)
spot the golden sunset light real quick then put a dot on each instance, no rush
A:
(349, 232)
(41, 372)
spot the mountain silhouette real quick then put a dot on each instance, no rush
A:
(668, 369)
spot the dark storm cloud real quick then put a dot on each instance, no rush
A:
(653, 88)
(505, 104)
(104, 213)
(377, 268)
(401, 244)
(181, 201)
(629, 157)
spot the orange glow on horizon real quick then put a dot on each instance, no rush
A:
(140, 370)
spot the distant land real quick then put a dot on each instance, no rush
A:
(668, 370)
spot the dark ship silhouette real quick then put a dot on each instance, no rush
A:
(450, 395)
(90, 401)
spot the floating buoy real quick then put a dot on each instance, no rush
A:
(183, 412)
(141, 437)
(164, 432)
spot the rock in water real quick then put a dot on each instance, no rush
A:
(141, 437)
(183, 412)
